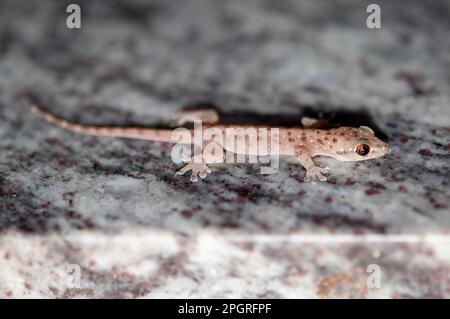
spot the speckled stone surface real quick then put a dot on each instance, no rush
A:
(114, 207)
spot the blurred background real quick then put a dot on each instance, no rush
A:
(113, 209)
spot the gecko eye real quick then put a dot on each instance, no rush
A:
(363, 149)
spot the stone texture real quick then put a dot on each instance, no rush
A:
(115, 208)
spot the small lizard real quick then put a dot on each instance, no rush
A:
(342, 143)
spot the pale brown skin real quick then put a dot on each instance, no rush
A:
(343, 143)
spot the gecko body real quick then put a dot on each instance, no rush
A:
(343, 143)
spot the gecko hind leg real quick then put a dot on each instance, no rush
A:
(315, 173)
(208, 116)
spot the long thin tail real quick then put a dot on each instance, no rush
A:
(159, 135)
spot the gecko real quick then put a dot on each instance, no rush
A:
(342, 143)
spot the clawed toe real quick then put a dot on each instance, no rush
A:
(316, 174)
(325, 169)
(198, 170)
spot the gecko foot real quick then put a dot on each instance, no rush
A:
(315, 174)
(198, 169)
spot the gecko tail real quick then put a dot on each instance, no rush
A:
(54, 120)
(157, 135)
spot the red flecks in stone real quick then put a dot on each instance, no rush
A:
(61, 159)
(402, 189)
(127, 277)
(395, 178)
(7, 255)
(54, 290)
(92, 263)
(45, 205)
(440, 206)
(328, 199)
(70, 214)
(95, 164)
(9, 293)
(349, 182)
(187, 213)
(425, 152)
(89, 224)
(437, 205)
(447, 147)
(28, 286)
(378, 186)
(372, 192)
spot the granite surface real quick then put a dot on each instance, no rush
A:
(113, 209)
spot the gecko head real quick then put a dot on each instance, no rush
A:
(358, 144)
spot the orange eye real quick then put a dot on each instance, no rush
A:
(363, 149)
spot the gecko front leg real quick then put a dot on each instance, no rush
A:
(198, 163)
(314, 173)
(198, 169)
